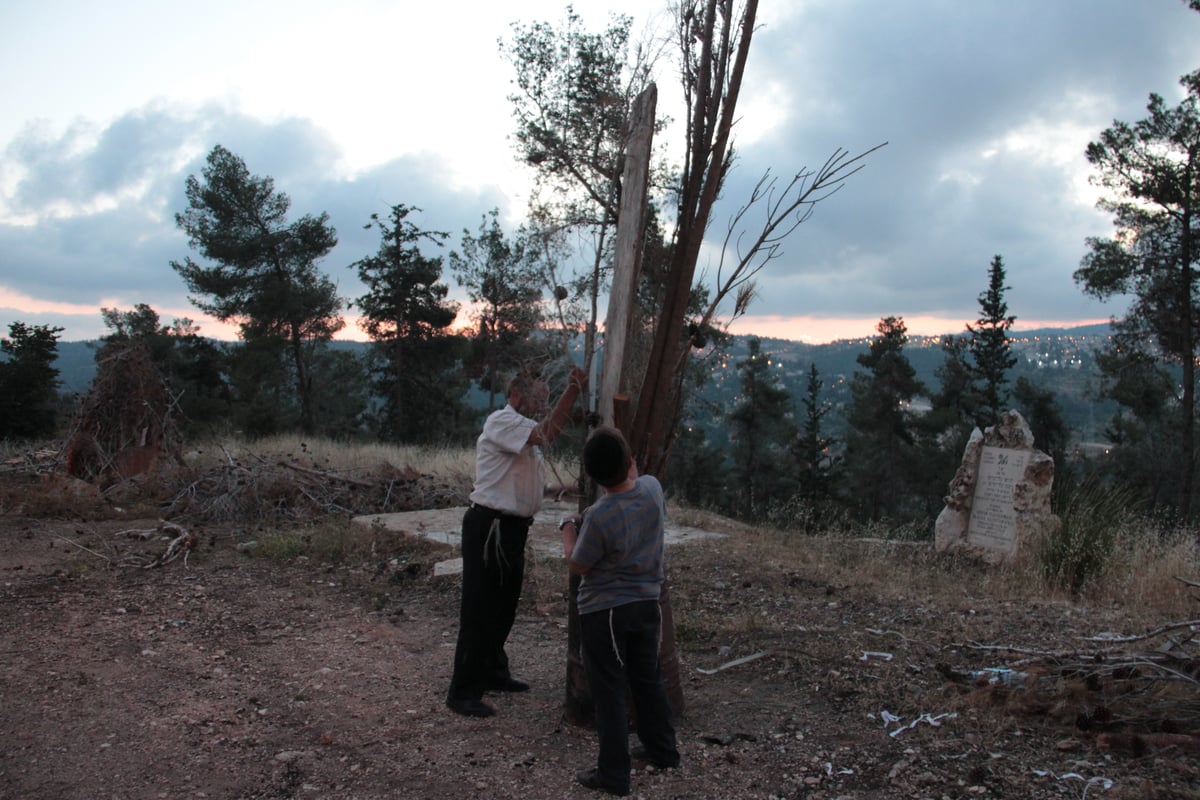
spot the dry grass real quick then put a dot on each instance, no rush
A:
(1146, 569)
(1141, 574)
(333, 455)
(350, 457)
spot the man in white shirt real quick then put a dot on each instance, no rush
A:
(509, 483)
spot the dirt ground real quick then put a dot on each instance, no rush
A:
(224, 673)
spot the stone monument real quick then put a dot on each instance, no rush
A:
(999, 500)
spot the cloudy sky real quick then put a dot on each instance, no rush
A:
(986, 107)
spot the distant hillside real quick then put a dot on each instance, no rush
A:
(1056, 359)
(76, 365)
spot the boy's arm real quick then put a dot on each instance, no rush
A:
(570, 531)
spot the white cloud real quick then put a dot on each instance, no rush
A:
(352, 107)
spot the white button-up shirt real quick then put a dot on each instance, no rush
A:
(510, 475)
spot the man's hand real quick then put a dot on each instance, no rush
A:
(578, 379)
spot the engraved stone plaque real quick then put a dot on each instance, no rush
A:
(993, 516)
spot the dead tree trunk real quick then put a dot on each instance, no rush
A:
(612, 404)
(714, 57)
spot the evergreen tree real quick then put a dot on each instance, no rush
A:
(1151, 170)
(762, 430)
(880, 437)
(407, 316)
(343, 395)
(957, 400)
(505, 289)
(943, 433)
(1044, 416)
(813, 449)
(697, 471)
(1144, 430)
(265, 403)
(29, 381)
(265, 276)
(193, 367)
(991, 349)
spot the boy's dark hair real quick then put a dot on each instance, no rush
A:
(606, 456)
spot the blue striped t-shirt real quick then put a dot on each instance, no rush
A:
(622, 543)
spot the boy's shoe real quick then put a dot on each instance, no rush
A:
(469, 707)
(588, 778)
(639, 753)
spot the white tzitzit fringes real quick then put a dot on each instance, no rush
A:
(658, 647)
(493, 542)
(612, 635)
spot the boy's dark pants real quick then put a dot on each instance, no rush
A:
(620, 645)
(493, 571)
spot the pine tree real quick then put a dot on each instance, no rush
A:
(407, 316)
(506, 292)
(28, 381)
(991, 349)
(762, 429)
(880, 439)
(1151, 170)
(265, 274)
(813, 449)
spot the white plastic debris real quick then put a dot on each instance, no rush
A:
(929, 719)
(1103, 783)
(1003, 675)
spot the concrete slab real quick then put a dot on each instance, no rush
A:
(444, 525)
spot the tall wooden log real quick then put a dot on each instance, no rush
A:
(631, 234)
(612, 405)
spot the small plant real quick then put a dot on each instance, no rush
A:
(1093, 516)
(283, 545)
(328, 541)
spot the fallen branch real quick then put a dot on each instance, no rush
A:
(1142, 743)
(735, 663)
(329, 476)
(1111, 639)
(182, 544)
(85, 549)
(141, 534)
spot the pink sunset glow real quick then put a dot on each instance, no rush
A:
(821, 330)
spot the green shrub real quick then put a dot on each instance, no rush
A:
(1093, 516)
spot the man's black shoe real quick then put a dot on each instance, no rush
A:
(507, 685)
(639, 753)
(588, 778)
(470, 707)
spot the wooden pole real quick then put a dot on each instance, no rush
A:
(631, 225)
(612, 404)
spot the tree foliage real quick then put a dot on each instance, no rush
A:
(763, 432)
(1151, 171)
(575, 91)
(880, 438)
(193, 367)
(264, 274)
(506, 292)
(408, 317)
(573, 94)
(29, 381)
(991, 349)
(813, 450)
